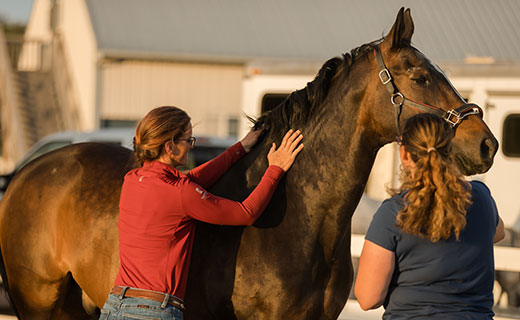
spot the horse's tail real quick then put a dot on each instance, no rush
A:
(3, 273)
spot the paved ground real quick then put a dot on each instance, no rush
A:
(352, 311)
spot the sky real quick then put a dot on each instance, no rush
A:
(16, 11)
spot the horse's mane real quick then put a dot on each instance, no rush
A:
(301, 104)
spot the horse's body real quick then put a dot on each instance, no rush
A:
(58, 219)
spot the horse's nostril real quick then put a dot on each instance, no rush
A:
(488, 148)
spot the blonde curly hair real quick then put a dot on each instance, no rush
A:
(436, 195)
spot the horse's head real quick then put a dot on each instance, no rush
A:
(406, 83)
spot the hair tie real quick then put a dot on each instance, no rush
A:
(430, 149)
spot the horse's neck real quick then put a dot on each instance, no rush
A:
(326, 181)
(322, 188)
(333, 167)
(346, 154)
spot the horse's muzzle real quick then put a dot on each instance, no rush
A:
(488, 149)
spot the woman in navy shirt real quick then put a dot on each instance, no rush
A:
(428, 253)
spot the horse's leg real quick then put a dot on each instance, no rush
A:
(71, 303)
(34, 284)
(37, 297)
(93, 256)
(40, 284)
(94, 283)
(337, 289)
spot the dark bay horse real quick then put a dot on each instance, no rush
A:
(58, 219)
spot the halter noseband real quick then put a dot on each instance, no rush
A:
(453, 116)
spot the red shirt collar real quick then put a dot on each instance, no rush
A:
(157, 166)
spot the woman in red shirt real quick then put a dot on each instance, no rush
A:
(159, 206)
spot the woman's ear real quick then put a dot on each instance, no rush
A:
(171, 148)
(406, 158)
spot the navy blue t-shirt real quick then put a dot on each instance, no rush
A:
(448, 279)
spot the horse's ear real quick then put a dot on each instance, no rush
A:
(401, 33)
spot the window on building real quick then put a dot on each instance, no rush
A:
(233, 127)
(511, 136)
(107, 123)
(272, 100)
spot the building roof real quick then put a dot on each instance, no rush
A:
(301, 30)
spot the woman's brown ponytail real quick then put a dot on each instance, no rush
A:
(437, 196)
(160, 125)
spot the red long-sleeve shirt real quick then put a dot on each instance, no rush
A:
(157, 213)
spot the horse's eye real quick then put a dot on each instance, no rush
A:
(420, 80)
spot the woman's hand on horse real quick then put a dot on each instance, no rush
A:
(284, 156)
(249, 141)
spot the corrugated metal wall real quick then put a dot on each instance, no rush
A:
(211, 94)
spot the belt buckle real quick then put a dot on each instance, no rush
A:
(176, 303)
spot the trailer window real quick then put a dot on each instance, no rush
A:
(511, 136)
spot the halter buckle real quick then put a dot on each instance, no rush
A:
(466, 110)
(384, 76)
(453, 114)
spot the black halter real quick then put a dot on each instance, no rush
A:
(453, 116)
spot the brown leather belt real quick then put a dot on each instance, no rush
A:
(148, 294)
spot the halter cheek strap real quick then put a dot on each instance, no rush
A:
(453, 116)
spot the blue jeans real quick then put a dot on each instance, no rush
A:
(117, 308)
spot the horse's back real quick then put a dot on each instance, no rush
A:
(85, 172)
(59, 212)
